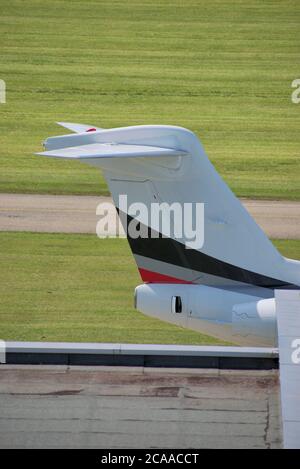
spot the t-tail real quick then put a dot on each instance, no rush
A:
(217, 271)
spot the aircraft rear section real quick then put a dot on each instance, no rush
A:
(223, 286)
(242, 317)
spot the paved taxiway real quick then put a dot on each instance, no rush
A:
(118, 407)
(77, 214)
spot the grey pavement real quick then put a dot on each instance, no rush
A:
(77, 214)
(118, 407)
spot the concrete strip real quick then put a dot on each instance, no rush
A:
(77, 214)
(137, 349)
(141, 355)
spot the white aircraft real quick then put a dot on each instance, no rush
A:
(226, 287)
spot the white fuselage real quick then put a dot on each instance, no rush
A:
(239, 316)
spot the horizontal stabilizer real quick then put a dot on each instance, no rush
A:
(78, 128)
(112, 150)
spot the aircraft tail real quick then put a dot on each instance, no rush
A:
(164, 165)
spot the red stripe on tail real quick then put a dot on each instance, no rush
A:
(155, 277)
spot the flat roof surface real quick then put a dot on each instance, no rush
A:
(122, 407)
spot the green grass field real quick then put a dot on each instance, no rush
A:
(223, 69)
(79, 288)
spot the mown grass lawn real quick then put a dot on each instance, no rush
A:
(223, 69)
(80, 288)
